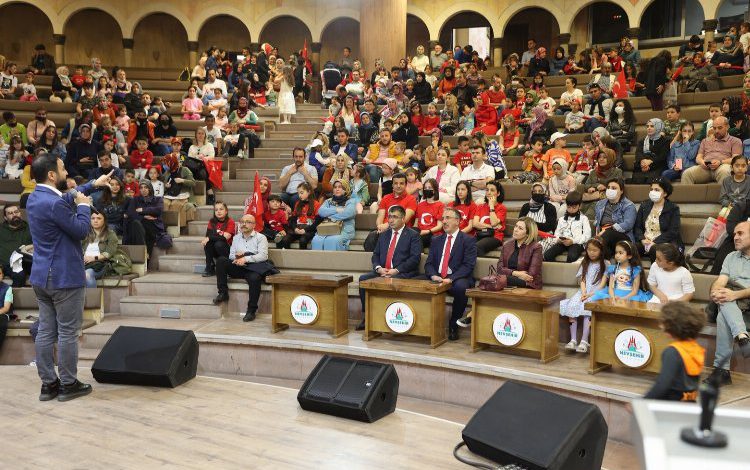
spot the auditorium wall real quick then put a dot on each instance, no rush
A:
(225, 32)
(93, 33)
(342, 32)
(160, 40)
(22, 27)
(287, 33)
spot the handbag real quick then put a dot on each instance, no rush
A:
(494, 282)
(330, 227)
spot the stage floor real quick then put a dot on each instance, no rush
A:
(218, 423)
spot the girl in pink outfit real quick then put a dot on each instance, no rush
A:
(192, 106)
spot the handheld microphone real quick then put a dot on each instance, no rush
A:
(703, 435)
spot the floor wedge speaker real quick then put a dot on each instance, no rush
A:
(147, 356)
(360, 390)
(537, 430)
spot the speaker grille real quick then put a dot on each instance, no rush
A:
(329, 379)
(358, 384)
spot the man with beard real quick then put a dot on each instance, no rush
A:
(14, 235)
(464, 92)
(11, 125)
(58, 223)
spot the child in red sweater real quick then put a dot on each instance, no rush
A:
(141, 158)
(462, 158)
(274, 220)
(131, 185)
(430, 121)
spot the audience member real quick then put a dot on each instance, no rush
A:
(657, 221)
(615, 216)
(99, 247)
(248, 260)
(147, 209)
(540, 210)
(397, 252)
(295, 174)
(651, 153)
(478, 174)
(489, 219)
(451, 260)
(335, 224)
(572, 232)
(15, 245)
(521, 260)
(446, 175)
(218, 238)
(301, 226)
(714, 155)
(668, 279)
(399, 197)
(597, 109)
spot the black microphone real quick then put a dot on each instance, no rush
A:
(703, 435)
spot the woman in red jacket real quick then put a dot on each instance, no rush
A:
(485, 116)
(521, 261)
(218, 239)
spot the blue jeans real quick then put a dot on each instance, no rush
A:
(290, 199)
(329, 243)
(60, 317)
(374, 172)
(729, 324)
(92, 275)
(671, 175)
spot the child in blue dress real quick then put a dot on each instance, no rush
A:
(592, 277)
(627, 281)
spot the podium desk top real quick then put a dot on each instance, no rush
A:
(539, 297)
(312, 280)
(418, 286)
(626, 308)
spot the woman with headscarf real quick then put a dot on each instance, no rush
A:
(560, 184)
(447, 84)
(422, 89)
(62, 87)
(540, 126)
(339, 171)
(146, 209)
(164, 132)
(367, 133)
(729, 58)
(178, 186)
(651, 154)
(596, 182)
(700, 75)
(399, 96)
(338, 208)
(601, 138)
(531, 100)
(738, 123)
(133, 102)
(261, 66)
(82, 153)
(406, 131)
(540, 210)
(391, 110)
(485, 116)
(539, 63)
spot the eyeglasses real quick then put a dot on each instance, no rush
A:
(247, 222)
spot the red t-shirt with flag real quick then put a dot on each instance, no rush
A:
(429, 214)
(277, 221)
(300, 210)
(467, 212)
(406, 200)
(483, 212)
(462, 159)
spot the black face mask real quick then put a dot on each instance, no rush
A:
(165, 123)
(538, 198)
(428, 193)
(41, 118)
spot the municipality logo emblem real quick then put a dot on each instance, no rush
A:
(632, 348)
(508, 329)
(399, 317)
(304, 309)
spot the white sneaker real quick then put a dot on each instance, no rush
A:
(465, 322)
(240, 154)
(571, 346)
(32, 363)
(583, 347)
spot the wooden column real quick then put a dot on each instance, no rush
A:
(193, 53)
(709, 26)
(59, 40)
(315, 48)
(497, 51)
(633, 34)
(127, 45)
(382, 31)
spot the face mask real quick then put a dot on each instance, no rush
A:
(537, 197)
(654, 195)
(611, 194)
(428, 193)
(41, 118)
(619, 110)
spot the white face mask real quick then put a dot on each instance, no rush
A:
(611, 194)
(619, 110)
(654, 195)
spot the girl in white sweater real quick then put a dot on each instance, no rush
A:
(572, 232)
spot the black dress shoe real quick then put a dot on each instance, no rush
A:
(719, 377)
(74, 390)
(222, 297)
(361, 326)
(744, 343)
(50, 391)
(249, 316)
(453, 333)
(208, 272)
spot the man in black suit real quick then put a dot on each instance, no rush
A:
(451, 261)
(397, 253)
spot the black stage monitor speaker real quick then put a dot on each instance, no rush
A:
(147, 356)
(361, 390)
(537, 430)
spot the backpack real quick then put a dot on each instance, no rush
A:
(120, 263)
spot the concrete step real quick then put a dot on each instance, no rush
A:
(182, 263)
(249, 173)
(176, 283)
(303, 120)
(234, 198)
(282, 133)
(271, 163)
(287, 142)
(149, 306)
(93, 340)
(275, 152)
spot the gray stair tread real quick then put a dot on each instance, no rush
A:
(147, 299)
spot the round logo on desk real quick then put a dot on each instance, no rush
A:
(632, 348)
(508, 329)
(304, 309)
(399, 317)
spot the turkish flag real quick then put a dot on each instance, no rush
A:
(215, 176)
(255, 207)
(620, 87)
(308, 63)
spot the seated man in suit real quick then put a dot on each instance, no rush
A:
(451, 261)
(397, 253)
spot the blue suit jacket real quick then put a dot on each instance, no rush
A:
(462, 260)
(57, 227)
(406, 255)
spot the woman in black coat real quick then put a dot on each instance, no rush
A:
(656, 79)
(422, 90)
(147, 209)
(651, 154)
(540, 210)
(657, 208)
(406, 131)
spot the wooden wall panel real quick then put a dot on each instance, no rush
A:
(224, 32)
(22, 27)
(160, 40)
(383, 33)
(342, 32)
(287, 33)
(93, 33)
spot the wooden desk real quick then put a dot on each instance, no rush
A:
(529, 317)
(405, 306)
(609, 318)
(319, 301)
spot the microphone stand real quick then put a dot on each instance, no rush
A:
(703, 435)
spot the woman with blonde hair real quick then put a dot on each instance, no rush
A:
(521, 260)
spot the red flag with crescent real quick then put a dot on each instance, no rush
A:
(620, 87)
(255, 206)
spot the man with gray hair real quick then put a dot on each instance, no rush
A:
(714, 159)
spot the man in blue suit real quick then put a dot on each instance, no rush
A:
(451, 261)
(58, 223)
(396, 255)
